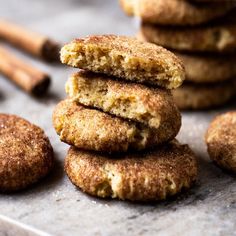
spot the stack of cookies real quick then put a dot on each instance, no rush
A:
(203, 35)
(120, 120)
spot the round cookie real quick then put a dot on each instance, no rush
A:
(149, 106)
(196, 96)
(126, 58)
(175, 12)
(205, 68)
(218, 38)
(208, 68)
(143, 176)
(26, 154)
(221, 140)
(92, 129)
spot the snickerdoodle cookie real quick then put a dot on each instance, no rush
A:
(205, 68)
(208, 68)
(91, 129)
(143, 176)
(150, 106)
(26, 154)
(126, 58)
(218, 38)
(203, 96)
(221, 140)
(175, 12)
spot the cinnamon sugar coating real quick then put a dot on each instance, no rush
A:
(92, 129)
(145, 176)
(26, 154)
(204, 96)
(176, 12)
(221, 140)
(126, 58)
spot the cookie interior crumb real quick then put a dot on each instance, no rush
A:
(129, 101)
(126, 58)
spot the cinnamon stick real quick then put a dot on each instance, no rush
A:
(24, 75)
(36, 44)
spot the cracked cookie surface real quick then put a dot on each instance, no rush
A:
(144, 176)
(217, 38)
(175, 12)
(26, 154)
(91, 129)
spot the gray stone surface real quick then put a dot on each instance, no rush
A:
(55, 205)
(10, 227)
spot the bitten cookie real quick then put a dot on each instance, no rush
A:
(150, 106)
(205, 68)
(196, 96)
(26, 154)
(126, 58)
(175, 12)
(218, 37)
(143, 176)
(91, 129)
(221, 140)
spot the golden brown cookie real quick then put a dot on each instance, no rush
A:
(175, 12)
(26, 154)
(221, 140)
(91, 129)
(205, 68)
(126, 58)
(143, 176)
(219, 38)
(208, 68)
(203, 96)
(150, 106)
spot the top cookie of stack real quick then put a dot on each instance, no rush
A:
(202, 34)
(126, 58)
(119, 100)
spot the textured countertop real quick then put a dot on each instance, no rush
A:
(55, 206)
